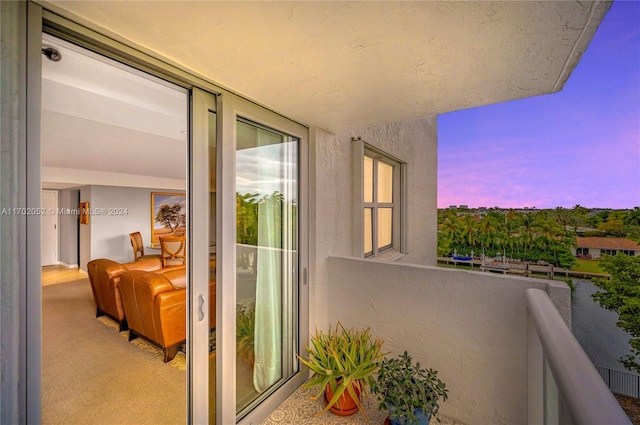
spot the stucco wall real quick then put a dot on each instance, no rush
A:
(332, 186)
(470, 326)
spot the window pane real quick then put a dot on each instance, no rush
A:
(385, 220)
(385, 182)
(267, 234)
(368, 234)
(368, 179)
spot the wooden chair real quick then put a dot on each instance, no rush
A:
(174, 251)
(138, 247)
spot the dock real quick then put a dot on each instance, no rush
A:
(521, 268)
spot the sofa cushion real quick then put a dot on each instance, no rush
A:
(178, 277)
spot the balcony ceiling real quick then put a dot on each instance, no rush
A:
(348, 65)
(339, 66)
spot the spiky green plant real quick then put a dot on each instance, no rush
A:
(342, 359)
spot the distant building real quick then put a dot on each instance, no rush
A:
(596, 247)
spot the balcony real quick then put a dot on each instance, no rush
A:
(500, 343)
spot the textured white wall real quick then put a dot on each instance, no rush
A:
(470, 326)
(412, 141)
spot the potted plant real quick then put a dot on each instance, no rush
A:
(409, 393)
(342, 362)
(245, 330)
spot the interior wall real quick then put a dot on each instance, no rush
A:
(412, 141)
(85, 231)
(107, 235)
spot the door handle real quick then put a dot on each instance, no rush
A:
(200, 308)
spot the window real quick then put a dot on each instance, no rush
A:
(582, 251)
(381, 203)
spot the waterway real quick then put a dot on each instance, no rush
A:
(595, 328)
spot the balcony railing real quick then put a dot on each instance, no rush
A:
(564, 386)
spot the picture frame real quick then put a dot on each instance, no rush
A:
(84, 212)
(168, 214)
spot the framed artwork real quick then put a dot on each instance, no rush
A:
(168, 215)
(84, 212)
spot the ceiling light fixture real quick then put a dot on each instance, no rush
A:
(52, 53)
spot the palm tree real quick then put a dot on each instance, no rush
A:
(528, 226)
(471, 231)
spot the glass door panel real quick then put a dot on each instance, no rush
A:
(266, 260)
(212, 264)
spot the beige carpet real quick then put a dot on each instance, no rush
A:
(91, 375)
(179, 361)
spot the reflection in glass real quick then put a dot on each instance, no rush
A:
(212, 264)
(368, 179)
(368, 231)
(385, 219)
(266, 240)
(385, 182)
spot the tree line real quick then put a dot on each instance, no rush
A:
(530, 235)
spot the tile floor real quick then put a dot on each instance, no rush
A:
(299, 409)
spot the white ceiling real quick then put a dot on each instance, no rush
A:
(103, 123)
(336, 65)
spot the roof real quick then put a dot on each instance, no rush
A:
(607, 243)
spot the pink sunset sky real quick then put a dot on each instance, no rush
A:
(578, 146)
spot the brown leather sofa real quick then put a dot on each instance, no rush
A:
(155, 307)
(104, 276)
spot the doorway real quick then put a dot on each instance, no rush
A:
(49, 227)
(205, 121)
(112, 136)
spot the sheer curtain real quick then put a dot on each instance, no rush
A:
(276, 241)
(268, 328)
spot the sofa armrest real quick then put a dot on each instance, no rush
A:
(170, 309)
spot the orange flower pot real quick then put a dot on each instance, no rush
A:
(345, 406)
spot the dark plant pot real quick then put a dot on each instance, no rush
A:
(345, 406)
(423, 418)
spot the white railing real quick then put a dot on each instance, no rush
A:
(564, 386)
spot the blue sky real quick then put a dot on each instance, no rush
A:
(578, 146)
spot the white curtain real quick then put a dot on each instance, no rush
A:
(268, 328)
(269, 262)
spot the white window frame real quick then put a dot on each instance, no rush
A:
(397, 247)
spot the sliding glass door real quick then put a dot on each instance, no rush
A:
(261, 259)
(266, 259)
(247, 216)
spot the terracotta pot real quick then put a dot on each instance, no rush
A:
(345, 406)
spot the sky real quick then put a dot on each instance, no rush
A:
(578, 146)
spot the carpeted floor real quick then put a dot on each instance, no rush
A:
(92, 375)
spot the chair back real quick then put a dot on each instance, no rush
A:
(137, 244)
(174, 252)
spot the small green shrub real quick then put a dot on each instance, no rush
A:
(402, 387)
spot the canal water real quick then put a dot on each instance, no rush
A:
(595, 328)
